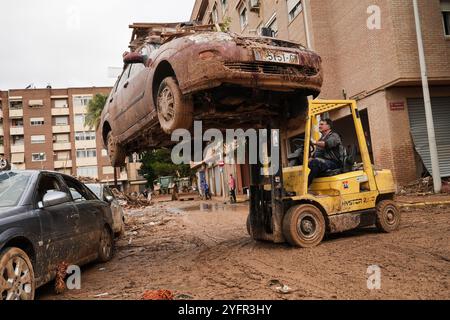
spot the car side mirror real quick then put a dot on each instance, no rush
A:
(133, 57)
(110, 199)
(53, 199)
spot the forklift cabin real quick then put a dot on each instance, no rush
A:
(282, 209)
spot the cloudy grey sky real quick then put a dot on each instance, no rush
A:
(73, 42)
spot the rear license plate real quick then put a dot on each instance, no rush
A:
(276, 56)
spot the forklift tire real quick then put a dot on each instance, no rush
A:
(249, 227)
(304, 226)
(388, 216)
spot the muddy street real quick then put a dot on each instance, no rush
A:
(202, 251)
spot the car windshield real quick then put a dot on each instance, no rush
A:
(12, 187)
(95, 188)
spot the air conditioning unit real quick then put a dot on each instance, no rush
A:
(254, 5)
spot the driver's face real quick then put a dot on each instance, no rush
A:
(323, 126)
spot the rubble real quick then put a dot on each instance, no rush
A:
(131, 201)
(157, 295)
(423, 187)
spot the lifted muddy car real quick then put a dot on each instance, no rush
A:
(176, 74)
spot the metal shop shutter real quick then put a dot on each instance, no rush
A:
(441, 116)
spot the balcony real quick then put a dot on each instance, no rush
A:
(62, 164)
(2, 132)
(62, 146)
(86, 162)
(80, 127)
(60, 111)
(16, 131)
(15, 113)
(89, 144)
(17, 149)
(2, 150)
(61, 129)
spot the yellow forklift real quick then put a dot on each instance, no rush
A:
(283, 209)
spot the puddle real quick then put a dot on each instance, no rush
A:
(207, 207)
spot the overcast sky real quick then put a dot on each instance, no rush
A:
(72, 43)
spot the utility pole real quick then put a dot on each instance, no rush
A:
(427, 100)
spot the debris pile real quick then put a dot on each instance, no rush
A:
(420, 187)
(157, 295)
(87, 180)
(132, 200)
(423, 186)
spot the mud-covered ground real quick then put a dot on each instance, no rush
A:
(203, 251)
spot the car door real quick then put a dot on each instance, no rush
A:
(132, 95)
(117, 109)
(90, 210)
(59, 224)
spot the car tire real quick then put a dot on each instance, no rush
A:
(388, 216)
(106, 245)
(115, 151)
(17, 280)
(249, 226)
(304, 226)
(175, 110)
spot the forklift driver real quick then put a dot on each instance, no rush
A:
(329, 152)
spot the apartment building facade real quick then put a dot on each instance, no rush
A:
(44, 129)
(370, 53)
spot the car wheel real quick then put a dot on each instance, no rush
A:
(175, 111)
(304, 226)
(4, 164)
(106, 247)
(115, 151)
(388, 216)
(16, 275)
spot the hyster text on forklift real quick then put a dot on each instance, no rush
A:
(283, 209)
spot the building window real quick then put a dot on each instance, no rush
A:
(61, 104)
(17, 123)
(37, 122)
(224, 4)
(15, 105)
(81, 101)
(37, 139)
(86, 153)
(61, 138)
(294, 8)
(85, 136)
(243, 16)
(17, 140)
(87, 171)
(215, 14)
(79, 119)
(62, 156)
(445, 8)
(61, 121)
(272, 24)
(38, 157)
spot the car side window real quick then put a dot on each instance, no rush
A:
(124, 77)
(78, 191)
(135, 69)
(48, 184)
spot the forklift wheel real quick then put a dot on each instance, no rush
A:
(304, 226)
(249, 227)
(388, 216)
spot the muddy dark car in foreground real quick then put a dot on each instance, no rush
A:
(177, 74)
(46, 219)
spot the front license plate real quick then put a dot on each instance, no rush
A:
(276, 56)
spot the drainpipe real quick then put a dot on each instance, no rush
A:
(306, 23)
(428, 112)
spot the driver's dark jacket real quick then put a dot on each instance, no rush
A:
(334, 150)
